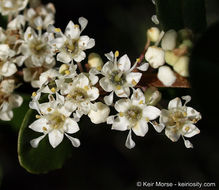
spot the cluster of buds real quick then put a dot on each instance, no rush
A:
(32, 45)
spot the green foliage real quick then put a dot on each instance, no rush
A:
(180, 14)
(44, 158)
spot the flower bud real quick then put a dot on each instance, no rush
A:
(152, 96)
(153, 34)
(184, 34)
(186, 43)
(181, 66)
(95, 61)
(100, 115)
(166, 75)
(155, 56)
(171, 58)
(169, 40)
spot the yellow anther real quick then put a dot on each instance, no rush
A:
(67, 72)
(76, 26)
(29, 35)
(141, 102)
(99, 68)
(39, 28)
(121, 114)
(86, 87)
(68, 96)
(53, 90)
(138, 60)
(44, 128)
(57, 30)
(117, 54)
(134, 82)
(34, 94)
(187, 128)
(118, 87)
(49, 109)
(147, 119)
(37, 116)
(184, 114)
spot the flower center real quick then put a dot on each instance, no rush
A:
(38, 47)
(133, 114)
(56, 120)
(177, 118)
(79, 94)
(71, 46)
(117, 78)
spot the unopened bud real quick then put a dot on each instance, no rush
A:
(100, 115)
(171, 58)
(155, 56)
(184, 34)
(95, 61)
(181, 66)
(166, 75)
(169, 40)
(153, 34)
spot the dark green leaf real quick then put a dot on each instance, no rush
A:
(169, 13)
(178, 14)
(44, 158)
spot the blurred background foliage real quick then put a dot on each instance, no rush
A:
(102, 161)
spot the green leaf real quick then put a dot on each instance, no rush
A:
(178, 14)
(44, 158)
(3, 21)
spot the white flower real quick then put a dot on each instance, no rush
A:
(7, 67)
(134, 115)
(179, 120)
(17, 23)
(36, 49)
(54, 121)
(153, 34)
(9, 7)
(71, 44)
(155, 56)
(8, 101)
(100, 115)
(169, 40)
(42, 16)
(118, 77)
(79, 95)
(166, 75)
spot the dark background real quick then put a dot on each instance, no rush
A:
(102, 161)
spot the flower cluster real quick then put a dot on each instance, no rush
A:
(108, 92)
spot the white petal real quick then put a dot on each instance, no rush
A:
(133, 78)
(141, 128)
(106, 84)
(175, 103)
(192, 113)
(110, 56)
(187, 99)
(155, 19)
(80, 56)
(93, 93)
(93, 78)
(158, 127)
(120, 124)
(35, 142)
(110, 119)
(55, 138)
(155, 56)
(70, 126)
(6, 116)
(129, 142)
(122, 105)
(172, 135)
(190, 130)
(166, 75)
(124, 63)
(143, 67)
(188, 144)
(151, 112)
(169, 40)
(75, 142)
(8, 69)
(108, 99)
(38, 125)
(72, 31)
(107, 68)
(83, 22)
(63, 57)
(138, 97)
(16, 100)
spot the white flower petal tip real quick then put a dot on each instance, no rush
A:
(129, 142)
(155, 19)
(188, 144)
(75, 142)
(155, 56)
(109, 99)
(35, 142)
(100, 115)
(143, 67)
(166, 75)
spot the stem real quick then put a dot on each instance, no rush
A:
(141, 57)
(80, 67)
